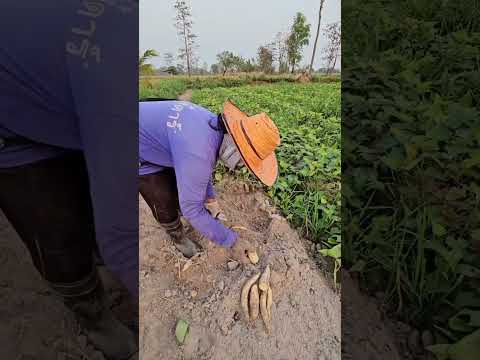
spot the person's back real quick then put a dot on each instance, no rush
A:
(68, 99)
(176, 126)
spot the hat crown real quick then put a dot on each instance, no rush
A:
(262, 134)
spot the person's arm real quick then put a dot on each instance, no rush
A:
(105, 92)
(210, 190)
(193, 174)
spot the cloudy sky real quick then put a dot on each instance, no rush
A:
(240, 26)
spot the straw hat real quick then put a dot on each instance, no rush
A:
(256, 138)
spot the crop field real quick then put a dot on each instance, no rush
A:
(411, 164)
(308, 117)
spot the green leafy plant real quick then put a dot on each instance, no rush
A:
(411, 90)
(308, 188)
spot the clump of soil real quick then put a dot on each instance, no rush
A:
(303, 78)
(205, 291)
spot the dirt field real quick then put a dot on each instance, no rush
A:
(306, 311)
(35, 325)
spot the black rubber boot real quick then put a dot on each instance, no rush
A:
(183, 244)
(103, 330)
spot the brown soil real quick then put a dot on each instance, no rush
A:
(35, 324)
(365, 333)
(206, 294)
(186, 96)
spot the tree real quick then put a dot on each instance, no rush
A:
(249, 66)
(205, 67)
(332, 51)
(265, 59)
(145, 68)
(168, 59)
(215, 69)
(172, 70)
(280, 52)
(297, 39)
(227, 61)
(184, 25)
(180, 69)
(316, 37)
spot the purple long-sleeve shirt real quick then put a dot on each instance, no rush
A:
(181, 135)
(68, 78)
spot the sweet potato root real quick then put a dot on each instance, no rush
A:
(253, 302)
(264, 311)
(264, 282)
(244, 294)
(253, 256)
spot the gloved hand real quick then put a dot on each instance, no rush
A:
(240, 249)
(213, 208)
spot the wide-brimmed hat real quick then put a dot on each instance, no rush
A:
(256, 138)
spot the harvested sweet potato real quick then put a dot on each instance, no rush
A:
(269, 302)
(244, 294)
(253, 302)
(264, 311)
(264, 282)
(253, 256)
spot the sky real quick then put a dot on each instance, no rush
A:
(240, 26)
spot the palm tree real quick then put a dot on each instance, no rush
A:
(145, 68)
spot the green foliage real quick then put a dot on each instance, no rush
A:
(298, 38)
(307, 115)
(171, 87)
(145, 68)
(411, 162)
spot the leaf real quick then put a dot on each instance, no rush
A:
(335, 252)
(181, 331)
(467, 299)
(438, 229)
(465, 320)
(468, 270)
(218, 176)
(466, 349)
(440, 351)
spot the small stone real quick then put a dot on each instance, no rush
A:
(193, 294)
(232, 265)
(168, 293)
(221, 285)
(427, 338)
(224, 329)
(245, 186)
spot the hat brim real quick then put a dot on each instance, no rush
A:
(265, 170)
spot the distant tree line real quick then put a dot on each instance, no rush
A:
(283, 54)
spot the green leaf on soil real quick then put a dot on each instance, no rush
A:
(181, 331)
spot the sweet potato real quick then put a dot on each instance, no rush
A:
(264, 282)
(253, 302)
(244, 294)
(264, 311)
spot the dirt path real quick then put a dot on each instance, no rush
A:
(186, 96)
(306, 311)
